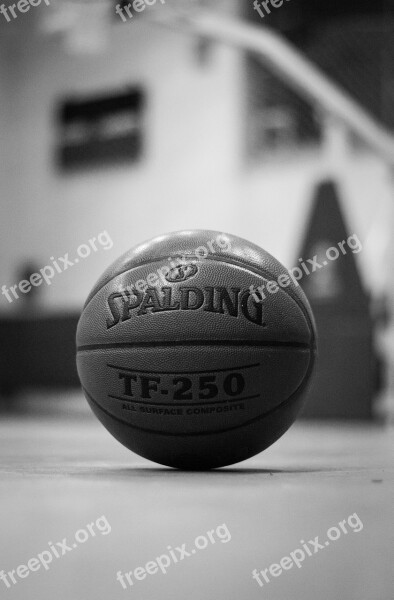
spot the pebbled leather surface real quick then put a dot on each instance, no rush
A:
(288, 315)
(187, 242)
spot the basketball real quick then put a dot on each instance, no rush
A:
(195, 349)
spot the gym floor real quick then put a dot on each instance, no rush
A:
(61, 473)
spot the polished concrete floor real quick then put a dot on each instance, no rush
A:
(59, 474)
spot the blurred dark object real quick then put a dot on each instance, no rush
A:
(26, 270)
(381, 314)
(345, 381)
(381, 311)
(38, 352)
(101, 130)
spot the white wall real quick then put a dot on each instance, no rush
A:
(184, 180)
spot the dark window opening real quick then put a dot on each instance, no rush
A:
(101, 130)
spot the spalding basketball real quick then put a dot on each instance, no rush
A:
(195, 349)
